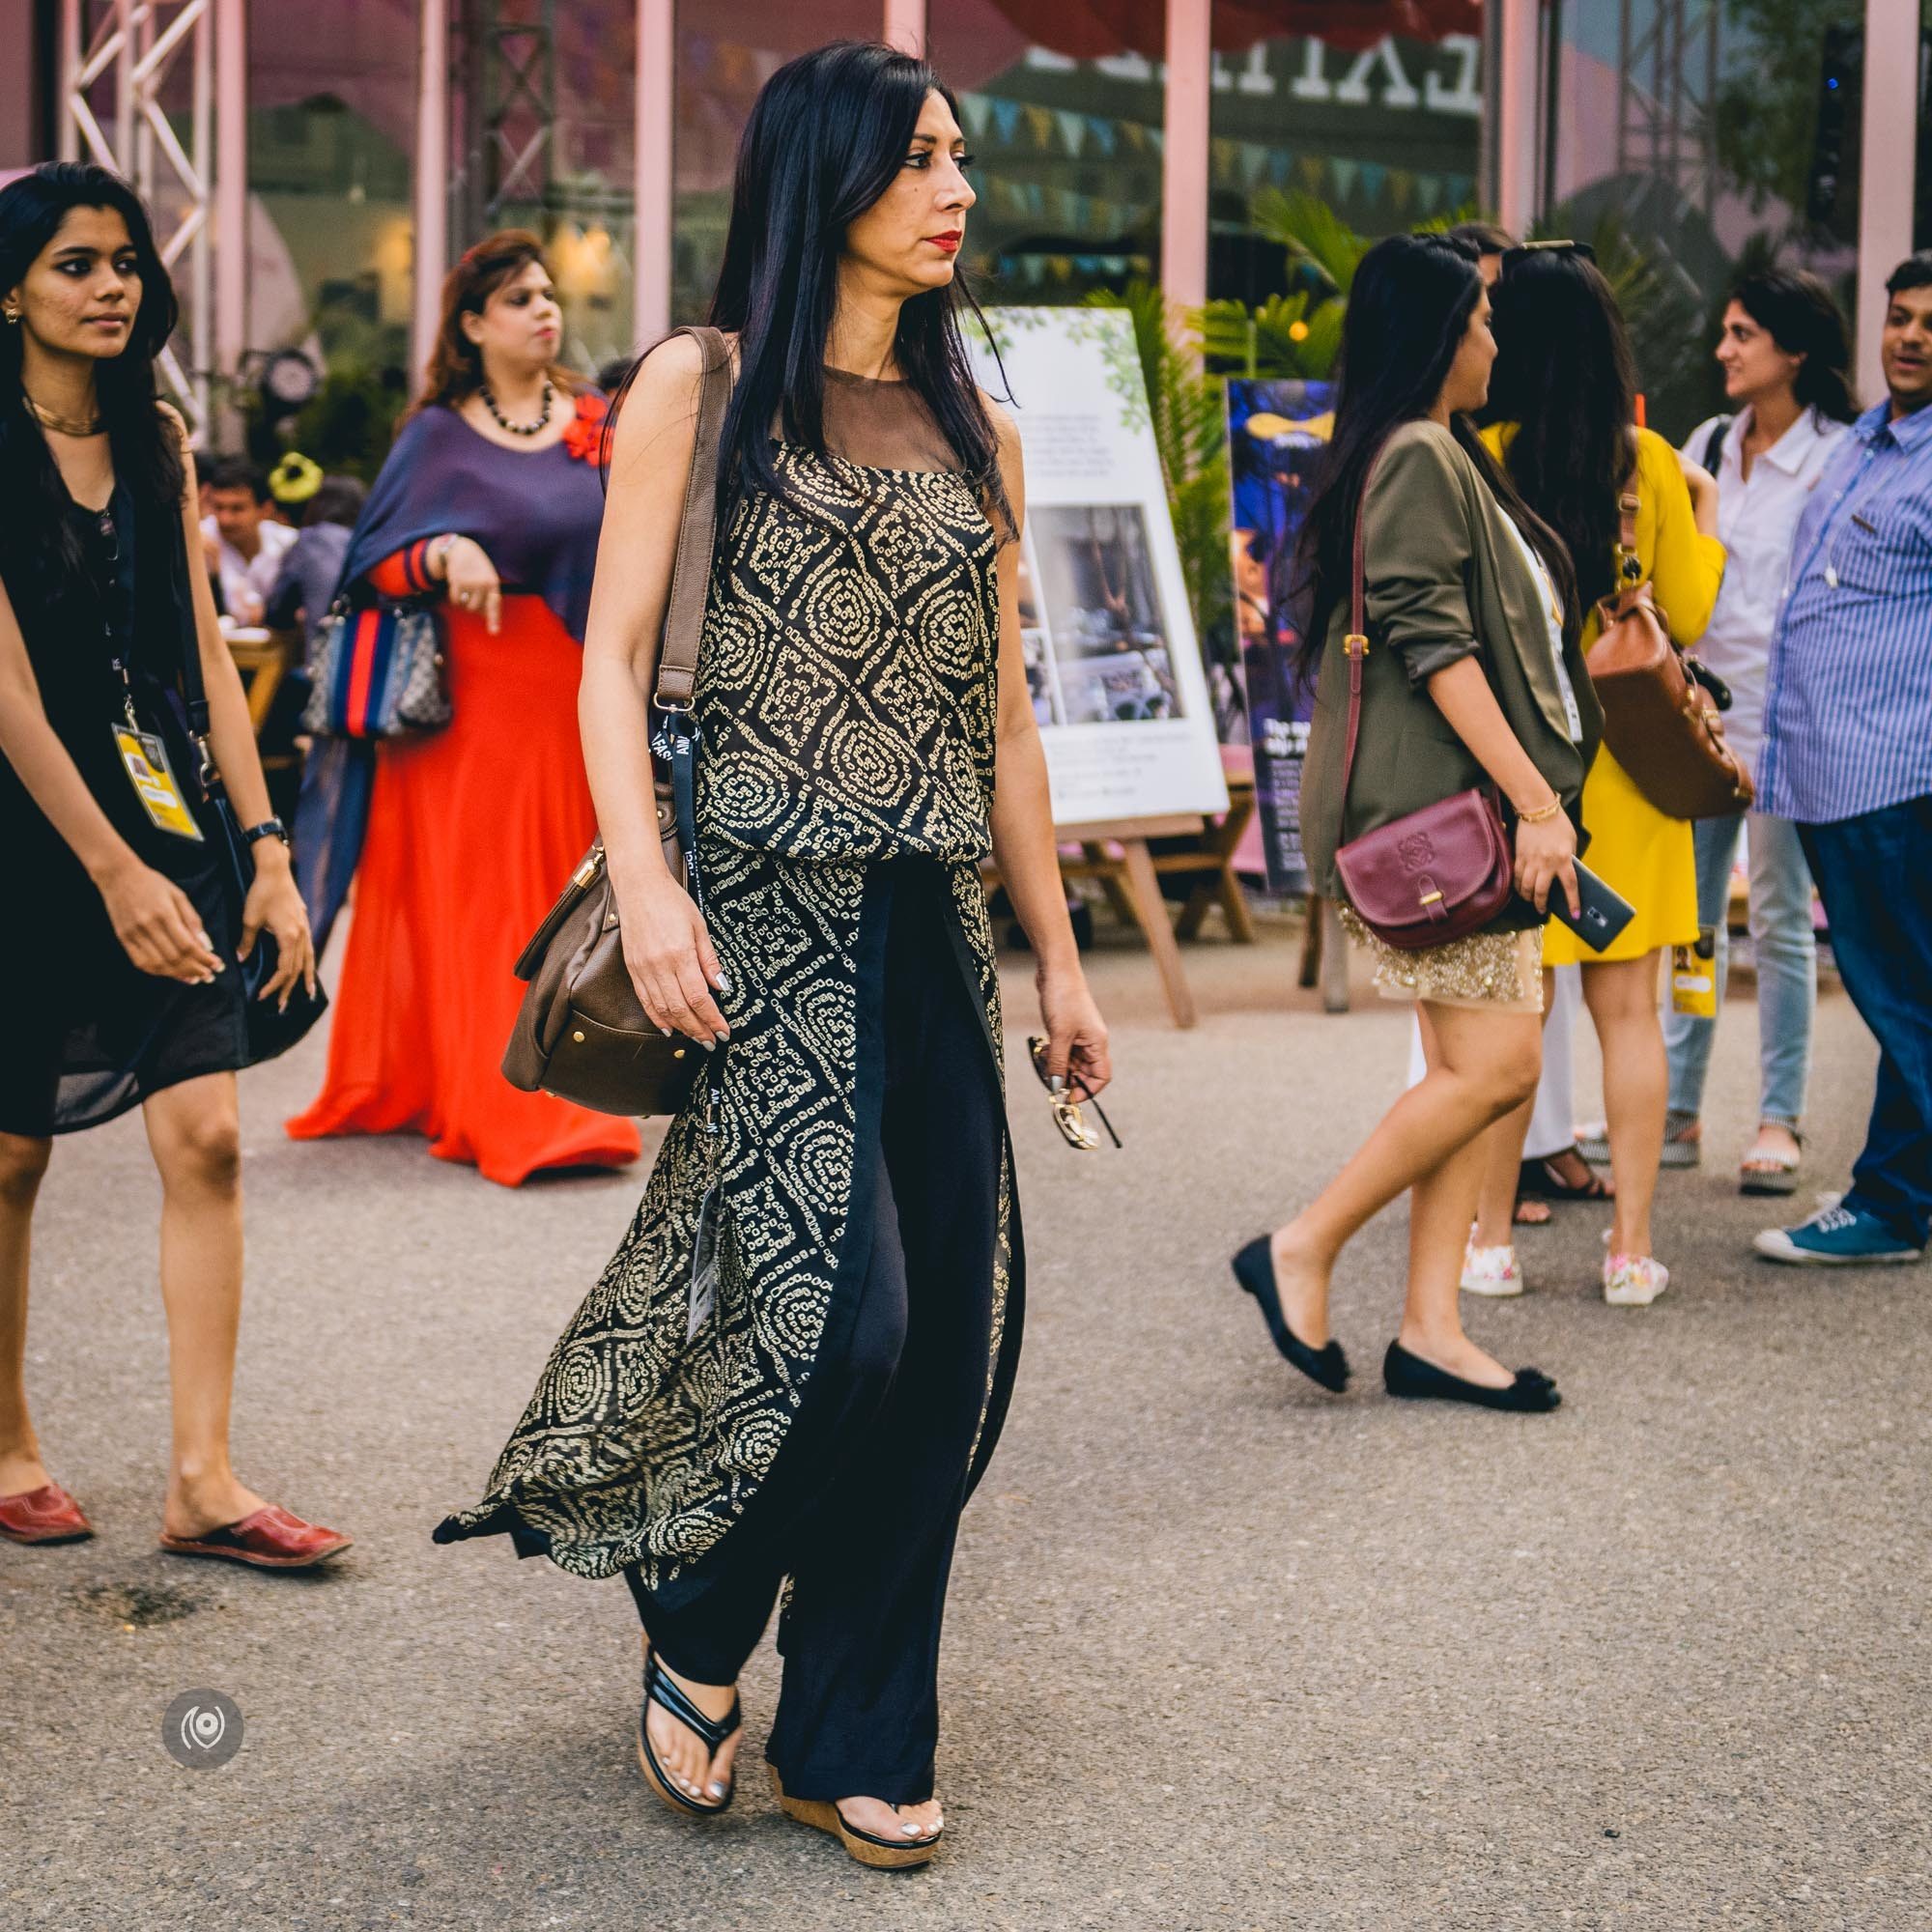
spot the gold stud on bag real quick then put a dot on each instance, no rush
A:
(580, 1033)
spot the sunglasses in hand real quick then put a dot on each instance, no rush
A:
(1065, 1102)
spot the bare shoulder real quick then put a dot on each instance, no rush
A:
(1003, 426)
(658, 415)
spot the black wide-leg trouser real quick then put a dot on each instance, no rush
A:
(863, 1505)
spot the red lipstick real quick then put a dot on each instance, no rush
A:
(950, 241)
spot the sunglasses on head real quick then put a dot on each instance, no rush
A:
(1065, 1103)
(1524, 250)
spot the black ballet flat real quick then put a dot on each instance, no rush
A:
(1254, 1270)
(1533, 1393)
(659, 1688)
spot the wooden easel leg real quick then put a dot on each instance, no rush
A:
(1309, 968)
(1150, 912)
(1334, 960)
(1107, 872)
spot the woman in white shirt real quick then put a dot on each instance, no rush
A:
(1784, 352)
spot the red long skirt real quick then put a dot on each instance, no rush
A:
(472, 833)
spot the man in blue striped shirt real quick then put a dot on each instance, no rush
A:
(1848, 755)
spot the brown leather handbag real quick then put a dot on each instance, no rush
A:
(580, 1033)
(1432, 875)
(1660, 719)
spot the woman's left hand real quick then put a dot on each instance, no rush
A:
(276, 906)
(1076, 1035)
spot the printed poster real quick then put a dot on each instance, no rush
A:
(1113, 665)
(1277, 444)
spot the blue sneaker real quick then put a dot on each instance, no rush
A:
(1835, 1237)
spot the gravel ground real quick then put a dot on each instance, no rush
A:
(1222, 1650)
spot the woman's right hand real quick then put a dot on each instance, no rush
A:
(669, 955)
(158, 926)
(1546, 856)
(473, 581)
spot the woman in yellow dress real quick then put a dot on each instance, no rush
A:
(1564, 405)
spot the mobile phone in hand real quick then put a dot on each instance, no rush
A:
(1604, 912)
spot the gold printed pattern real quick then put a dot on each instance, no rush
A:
(846, 695)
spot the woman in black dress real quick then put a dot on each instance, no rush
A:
(822, 1410)
(124, 986)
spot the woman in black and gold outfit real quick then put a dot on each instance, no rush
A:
(866, 740)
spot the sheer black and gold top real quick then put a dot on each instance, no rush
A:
(847, 680)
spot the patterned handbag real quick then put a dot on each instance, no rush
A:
(378, 672)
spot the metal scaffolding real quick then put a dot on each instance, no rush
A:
(1667, 82)
(117, 59)
(505, 51)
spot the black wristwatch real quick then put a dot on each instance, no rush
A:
(270, 828)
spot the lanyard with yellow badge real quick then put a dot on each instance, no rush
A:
(143, 756)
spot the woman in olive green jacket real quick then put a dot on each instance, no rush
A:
(1473, 676)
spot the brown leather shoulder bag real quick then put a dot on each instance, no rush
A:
(1432, 875)
(1660, 719)
(580, 1033)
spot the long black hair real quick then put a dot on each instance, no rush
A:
(827, 136)
(1409, 310)
(146, 446)
(1565, 377)
(1803, 319)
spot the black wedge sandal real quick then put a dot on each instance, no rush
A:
(1254, 1270)
(881, 1854)
(660, 1689)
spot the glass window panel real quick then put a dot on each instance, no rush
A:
(1710, 136)
(1383, 130)
(546, 111)
(1064, 112)
(726, 50)
(332, 131)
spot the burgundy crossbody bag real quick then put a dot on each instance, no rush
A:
(1432, 875)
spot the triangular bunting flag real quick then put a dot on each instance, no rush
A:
(1070, 125)
(1137, 135)
(1280, 164)
(1428, 192)
(1254, 162)
(1226, 154)
(1342, 172)
(1006, 118)
(1033, 271)
(1373, 174)
(1308, 171)
(1402, 185)
(1104, 132)
(1040, 121)
(977, 110)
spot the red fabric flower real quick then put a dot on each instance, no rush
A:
(584, 433)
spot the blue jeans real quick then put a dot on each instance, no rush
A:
(1787, 966)
(1874, 873)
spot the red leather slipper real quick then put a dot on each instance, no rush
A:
(46, 1514)
(271, 1539)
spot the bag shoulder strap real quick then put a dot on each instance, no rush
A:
(690, 571)
(1630, 566)
(1357, 643)
(1714, 442)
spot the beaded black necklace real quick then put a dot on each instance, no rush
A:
(504, 422)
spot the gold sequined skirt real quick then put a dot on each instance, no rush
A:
(1499, 972)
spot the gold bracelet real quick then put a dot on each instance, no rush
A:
(1541, 813)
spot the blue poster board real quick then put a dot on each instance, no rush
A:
(1277, 444)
